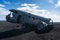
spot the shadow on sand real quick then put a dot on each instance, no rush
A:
(15, 32)
(11, 33)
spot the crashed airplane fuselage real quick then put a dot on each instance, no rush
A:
(25, 19)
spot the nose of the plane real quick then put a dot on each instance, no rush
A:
(8, 18)
(11, 19)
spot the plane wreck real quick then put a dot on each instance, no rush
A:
(27, 20)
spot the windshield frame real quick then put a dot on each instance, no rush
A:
(11, 14)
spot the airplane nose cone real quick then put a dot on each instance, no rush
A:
(11, 19)
(7, 18)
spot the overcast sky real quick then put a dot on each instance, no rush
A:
(45, 8)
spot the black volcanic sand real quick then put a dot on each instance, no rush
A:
(4, 26)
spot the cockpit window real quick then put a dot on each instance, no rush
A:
(11, 12)
(14, 11)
